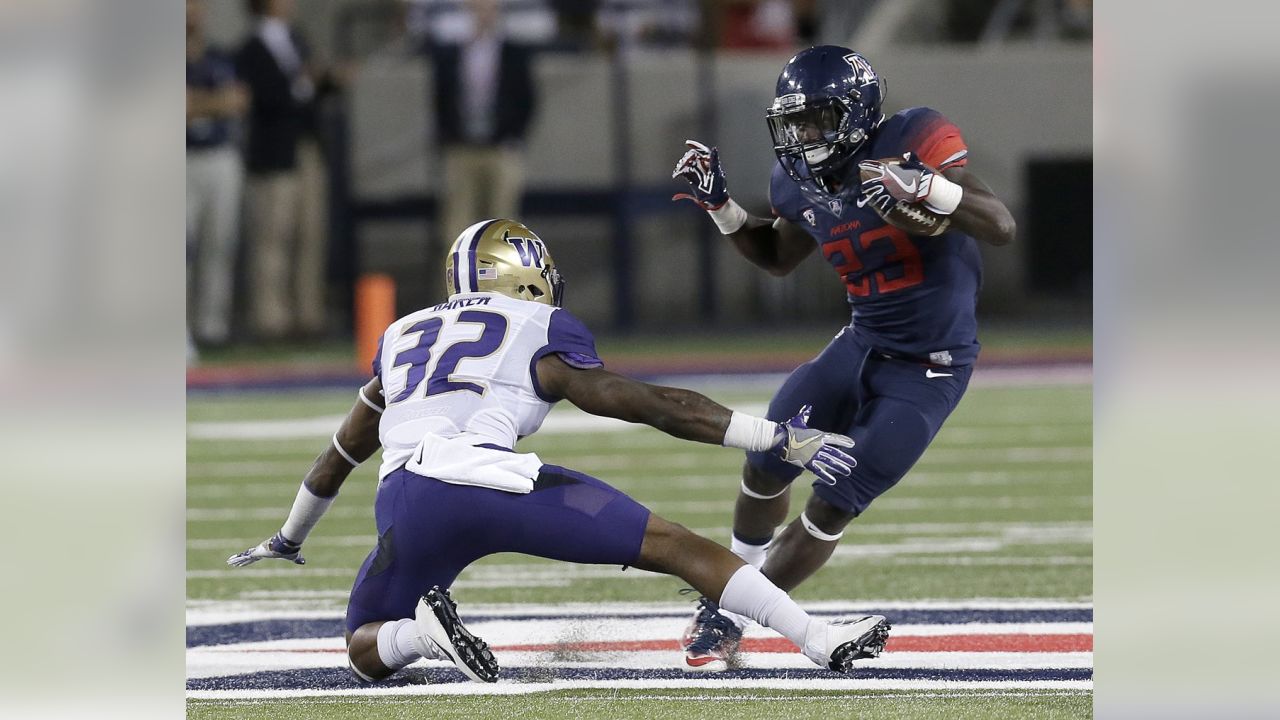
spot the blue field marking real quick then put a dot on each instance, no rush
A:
(290, 629)
(341, 679)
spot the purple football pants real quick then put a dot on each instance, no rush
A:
(429, 530)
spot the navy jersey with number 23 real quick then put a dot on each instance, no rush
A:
(912, 296)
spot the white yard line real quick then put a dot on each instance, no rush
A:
(501, 688)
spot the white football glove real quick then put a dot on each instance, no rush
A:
(908, 180)
(274, 547)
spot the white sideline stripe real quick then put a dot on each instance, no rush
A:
(501, 688)
(213, 612)
(568, 420)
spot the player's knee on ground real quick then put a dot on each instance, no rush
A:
(828, 518)
(362, 654)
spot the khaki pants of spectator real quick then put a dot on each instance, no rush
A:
(215, 180)
(479, 183)
(288, 246)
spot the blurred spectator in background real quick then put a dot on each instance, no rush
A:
(630, 23)
(759, 24)
(215, 100)
(286, 204)
(484, 101)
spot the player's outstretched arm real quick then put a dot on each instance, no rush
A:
(692, 416)
(980, 213)
(776, 246)
(355, 441)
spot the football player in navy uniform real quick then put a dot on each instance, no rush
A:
(891, 205)
(454, 387)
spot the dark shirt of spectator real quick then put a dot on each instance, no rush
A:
(513, 98)
(212, 71)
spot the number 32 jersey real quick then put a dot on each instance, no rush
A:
(913, 296)
(466, 367)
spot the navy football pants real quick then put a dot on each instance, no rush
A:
(892, 408)
(429, 530)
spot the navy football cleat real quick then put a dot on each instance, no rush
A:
(711, 640)
(851, 639)
(437, 620)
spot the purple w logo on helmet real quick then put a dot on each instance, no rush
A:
(531, 250)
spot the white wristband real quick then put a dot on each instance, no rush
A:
(943, 196)
(729, 217)
(307, 510)
(748, 432)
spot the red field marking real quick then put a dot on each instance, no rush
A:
(1013, 642)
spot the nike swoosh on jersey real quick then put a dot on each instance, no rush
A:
(932, 374)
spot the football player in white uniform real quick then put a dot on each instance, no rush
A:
(455, 387)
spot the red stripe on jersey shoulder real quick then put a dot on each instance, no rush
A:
(941, 145)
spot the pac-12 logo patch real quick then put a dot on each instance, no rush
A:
(836, 206)
(809, 216)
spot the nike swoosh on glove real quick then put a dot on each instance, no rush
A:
(274, 547)
(814, 450)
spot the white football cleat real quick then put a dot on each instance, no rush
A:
(847, 640)
(442, 636)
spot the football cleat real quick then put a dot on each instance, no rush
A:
(711, 640)
(850, 639)
(443, 636)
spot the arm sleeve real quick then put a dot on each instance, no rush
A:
(935, 140)
(572, 341)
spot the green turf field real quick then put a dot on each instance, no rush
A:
(999, 507)
(672, 704)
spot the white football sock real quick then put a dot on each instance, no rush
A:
(752, 594)
(753, 555)
(395, 643)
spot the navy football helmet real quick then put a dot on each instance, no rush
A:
(826, 106)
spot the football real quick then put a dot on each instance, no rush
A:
(914, 218)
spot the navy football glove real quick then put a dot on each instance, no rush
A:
(700, 166)
(814, 450)
(275, 546)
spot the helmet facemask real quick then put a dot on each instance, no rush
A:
(815, 140)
